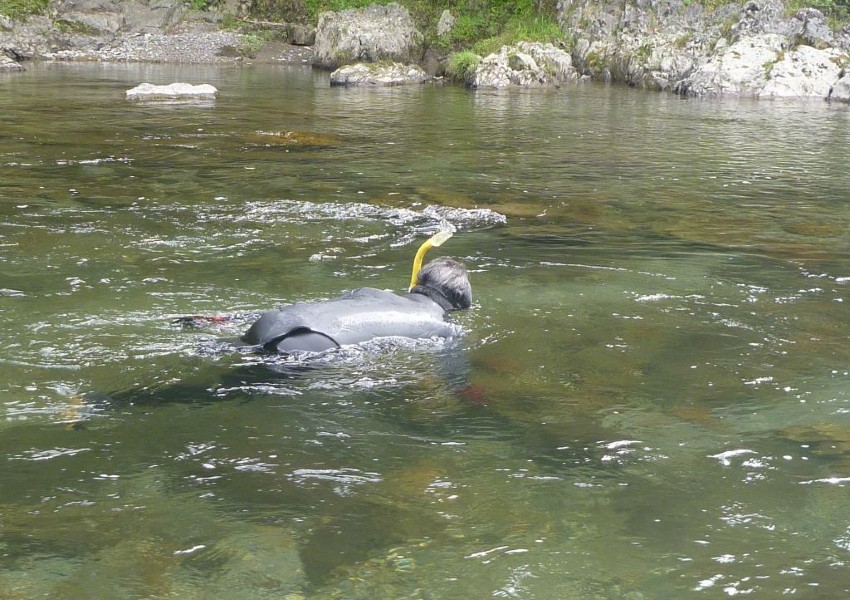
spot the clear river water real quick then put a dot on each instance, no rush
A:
(649, 399)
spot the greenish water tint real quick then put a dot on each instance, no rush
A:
(650, 400)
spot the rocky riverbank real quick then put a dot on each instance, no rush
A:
(135, 31)
(755, 49)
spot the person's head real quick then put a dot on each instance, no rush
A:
(448, 278)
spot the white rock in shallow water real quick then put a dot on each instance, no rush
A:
(174, 90)
(380, 74)
(527, 64)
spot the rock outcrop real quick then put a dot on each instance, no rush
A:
(526, 64)
(7, 64)
(840, 92)
(32, 38)
(372, 34)
(113, 16)
(760, 66)
(752, 50)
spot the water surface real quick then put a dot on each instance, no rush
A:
(649, 400)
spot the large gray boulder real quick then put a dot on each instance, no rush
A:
(526, 65)
(113, 16)
(379, 74)
(372, 34)
(7, 64)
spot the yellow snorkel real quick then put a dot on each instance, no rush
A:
(435, 240)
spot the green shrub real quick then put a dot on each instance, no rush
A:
(251, 44)
(521, 28)
(461, 65)
(468, 28)
(535, 28)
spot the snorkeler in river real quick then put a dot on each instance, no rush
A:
(438, 288)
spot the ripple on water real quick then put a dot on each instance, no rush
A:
(656, 360)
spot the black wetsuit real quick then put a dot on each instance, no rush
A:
(354, 317)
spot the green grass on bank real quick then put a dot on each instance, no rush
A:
(18, 9)
(837, 11)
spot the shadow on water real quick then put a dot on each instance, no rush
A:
(377, 366)
(417, 397)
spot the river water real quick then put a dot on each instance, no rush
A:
(650, 399)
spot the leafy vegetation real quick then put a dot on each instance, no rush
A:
(461, 65)
(837, 11)
(527, 27)
(251, 44)
(476, 21)
(18, 9)
(202, 4)
(303, 11)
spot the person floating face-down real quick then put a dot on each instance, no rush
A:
(441, 286)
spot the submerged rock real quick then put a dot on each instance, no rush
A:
(379, 74)
(296, 138)
(146, 91)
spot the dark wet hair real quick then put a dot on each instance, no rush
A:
(447, 278)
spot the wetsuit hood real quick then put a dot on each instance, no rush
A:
(445, 281)
(435, 296)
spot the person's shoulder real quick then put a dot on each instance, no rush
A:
(369, 292)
